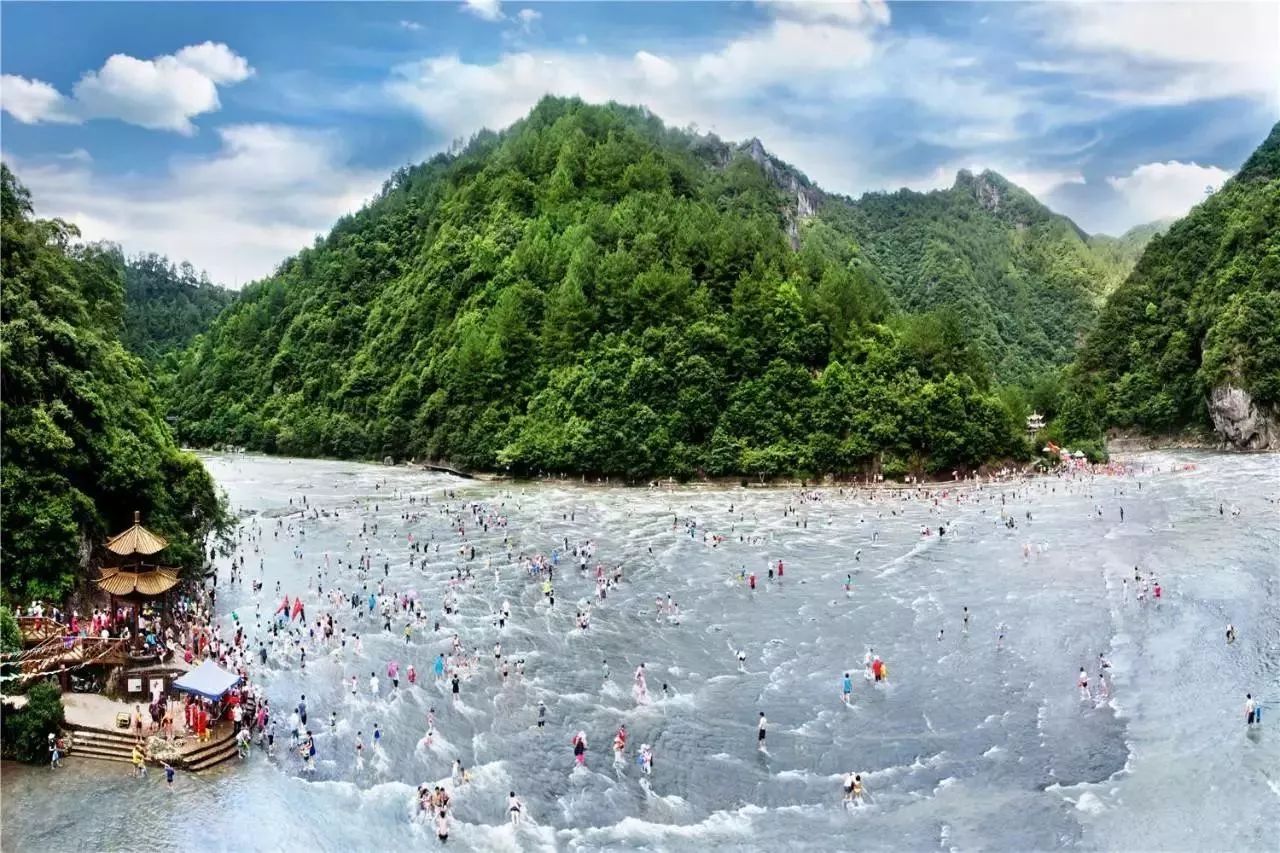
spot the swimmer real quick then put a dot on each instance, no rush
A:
(742, 660)
(514, 808)
(1231, 633)
(966, 620)
(1083, 682)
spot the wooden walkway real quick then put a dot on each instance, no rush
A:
(59, 653)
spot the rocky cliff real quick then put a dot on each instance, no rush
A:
(1240, 422)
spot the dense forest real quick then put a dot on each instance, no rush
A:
(1026, 281)
(85, 443)
(1200, 311)
(591, 291)
(166, 305)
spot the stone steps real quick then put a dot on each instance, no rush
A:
(118, 746)
(213, 757)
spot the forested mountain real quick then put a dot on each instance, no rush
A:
(589, 290)
(1122, 253)
(165, 306)
(1192, 337)
(1026, 281)
(84, 442)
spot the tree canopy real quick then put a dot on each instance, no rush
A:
(166, 305)
(592, 291)
(1200, 309)
(85, 443)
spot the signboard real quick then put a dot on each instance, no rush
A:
(157, 687)
(134, 686)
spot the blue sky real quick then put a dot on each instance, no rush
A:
(231, 134)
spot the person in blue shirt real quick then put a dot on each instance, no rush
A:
(847, 688)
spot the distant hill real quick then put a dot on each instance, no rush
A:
(166, 305)
(1122, 252)
(1026, 280)
(1192, 336)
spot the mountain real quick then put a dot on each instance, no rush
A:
(592, 291)
(84, 441)
(165, 306)
(1122, 252)
(1026, 280)
(1192, 336)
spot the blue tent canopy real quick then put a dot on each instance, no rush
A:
(208, 680)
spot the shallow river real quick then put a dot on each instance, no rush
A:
(972, 743)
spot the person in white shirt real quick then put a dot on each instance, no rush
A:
(760, 731)
(515, 808)
(1250, 709)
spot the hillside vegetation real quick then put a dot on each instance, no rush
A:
(166, 305)
(1201, 310)
(1026, 281)
(592, 291)
(84, 441)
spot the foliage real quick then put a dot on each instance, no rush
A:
(166, 306)
(10, 639)
(590, 291)
(1025, 281)
(1201, 309)
(84, 441)
(10, 633)
(26, 732)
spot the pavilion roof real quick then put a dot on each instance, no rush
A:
(136, 540)
(154, 581)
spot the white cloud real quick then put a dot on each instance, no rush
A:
(485, 10)
(801, 59)
(1170, 53)
(32, 101)
(163, 93)
(527, 18)
(216, 61)
(265, 194)
(1166, 190)
(412, 26)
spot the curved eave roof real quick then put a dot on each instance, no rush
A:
(137, 540)
(154, 582)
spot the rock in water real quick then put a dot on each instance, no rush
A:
(1240, 422)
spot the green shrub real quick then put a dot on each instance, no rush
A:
(26, 732)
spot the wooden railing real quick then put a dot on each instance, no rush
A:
(58, 653)
(38, 629)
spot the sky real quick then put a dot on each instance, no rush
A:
(231, 135)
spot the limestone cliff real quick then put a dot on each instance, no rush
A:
(804, 197)
(1240, 422)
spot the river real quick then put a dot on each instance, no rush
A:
(971, 744)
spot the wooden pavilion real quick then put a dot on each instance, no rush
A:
(132, 578)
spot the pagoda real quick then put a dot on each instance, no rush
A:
(133, 577)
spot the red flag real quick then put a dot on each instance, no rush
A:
(297, 608)
(284, 606)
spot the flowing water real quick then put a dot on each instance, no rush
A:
(971, 744)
